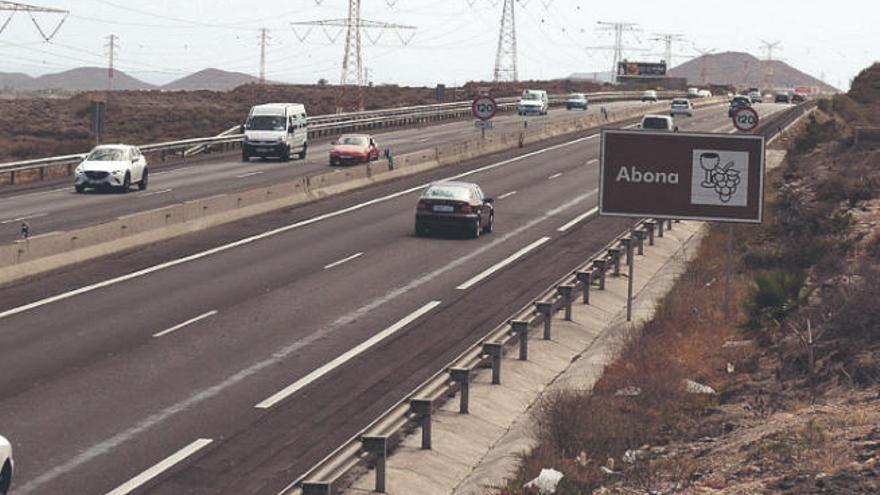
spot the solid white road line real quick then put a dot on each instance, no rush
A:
(344, 358)
(507, 195)
(250, 174)
(162, 466)
(594, 160)
(343, 260)
(153, 193)
(501, 264)
(187, 322)
(27, 217)
(554, 176)
(274, 232)
(578, 219)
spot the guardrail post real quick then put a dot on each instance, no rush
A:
(317, 488)
(627, 242)
(640, 241)
(615, 258)
(493, 349)
(669, 224)
(649, 226)
(546, 308)
(377, 445)
(601, 265)
(423, 408)
(462, 376)
(521, 329)
(660, 227)
(567, 293)
(585, 278)
(12, 177)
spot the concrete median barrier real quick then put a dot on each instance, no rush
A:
(54, 250)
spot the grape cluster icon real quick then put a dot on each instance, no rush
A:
(722, 179)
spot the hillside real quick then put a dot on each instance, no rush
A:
(212, 79)
(744, 70)
(80, 79)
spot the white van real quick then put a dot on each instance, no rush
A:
(275, 129)
(533, 101)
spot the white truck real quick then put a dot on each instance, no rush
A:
(276, 130)
(533, 101)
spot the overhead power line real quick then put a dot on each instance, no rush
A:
(618, 28)
(668, 39)
(352, 58)
(13, 7)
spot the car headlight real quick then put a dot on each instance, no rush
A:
(79, 170)
(117, 172)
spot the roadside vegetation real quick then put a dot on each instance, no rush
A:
(796, 368)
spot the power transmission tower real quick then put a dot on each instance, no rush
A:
(505, 57)
(668, 39)
(14, 7)
(618, 28)
(264, 39)
(111, 46)
(768, 72)
(352, 58)
(704, 68)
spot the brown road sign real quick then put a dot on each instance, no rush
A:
(682, 175)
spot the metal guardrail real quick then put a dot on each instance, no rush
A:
(371, 445)
(319, 126)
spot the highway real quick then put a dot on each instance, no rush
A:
(55, 206)
(232, 361)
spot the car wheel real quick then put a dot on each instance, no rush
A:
(302, 154)
(142, 185)
(80, 189)
(476, 230)
(489, 228)
(5, 478)
(245, 157)
(126, 183)
(285, 155)
(420, 230)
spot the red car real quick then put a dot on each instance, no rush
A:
(353, 148)
(455, 205)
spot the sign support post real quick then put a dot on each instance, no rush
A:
(727, 271)
(629, 279)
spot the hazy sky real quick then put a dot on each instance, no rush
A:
(455, 42)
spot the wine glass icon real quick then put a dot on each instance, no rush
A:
(708, 162)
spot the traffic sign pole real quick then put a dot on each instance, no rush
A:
(484, 108)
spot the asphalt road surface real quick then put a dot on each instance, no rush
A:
(55, 206)
(233, 360)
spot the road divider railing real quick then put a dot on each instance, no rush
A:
(43, 252)
(370, 447)
(319, 126)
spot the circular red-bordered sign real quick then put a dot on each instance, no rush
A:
(484, 107)
(745, 119)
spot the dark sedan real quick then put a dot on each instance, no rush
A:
(455, 206)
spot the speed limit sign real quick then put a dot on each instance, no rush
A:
(483, 107)
(745, 119)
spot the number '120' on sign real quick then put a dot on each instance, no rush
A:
(745, 119)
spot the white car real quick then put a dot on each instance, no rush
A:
(533, 101)
(112, 166)
(650, 95)
(705, 93)
(658, 123)
(576, 100)
(5, 465)
(681, 106)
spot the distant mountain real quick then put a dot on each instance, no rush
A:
(213, 79)
(81, 79)
(744, 71)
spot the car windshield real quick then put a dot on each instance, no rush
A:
(677, 103)
(266, 123)
(655, 123)
(448, 192)
(108, 155)
(576, 97)
(353, 140)
(739, 101)
(531, 96)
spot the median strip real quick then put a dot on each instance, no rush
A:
(186, 323)
(344, 358)
(501, 264)
(162, 466)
